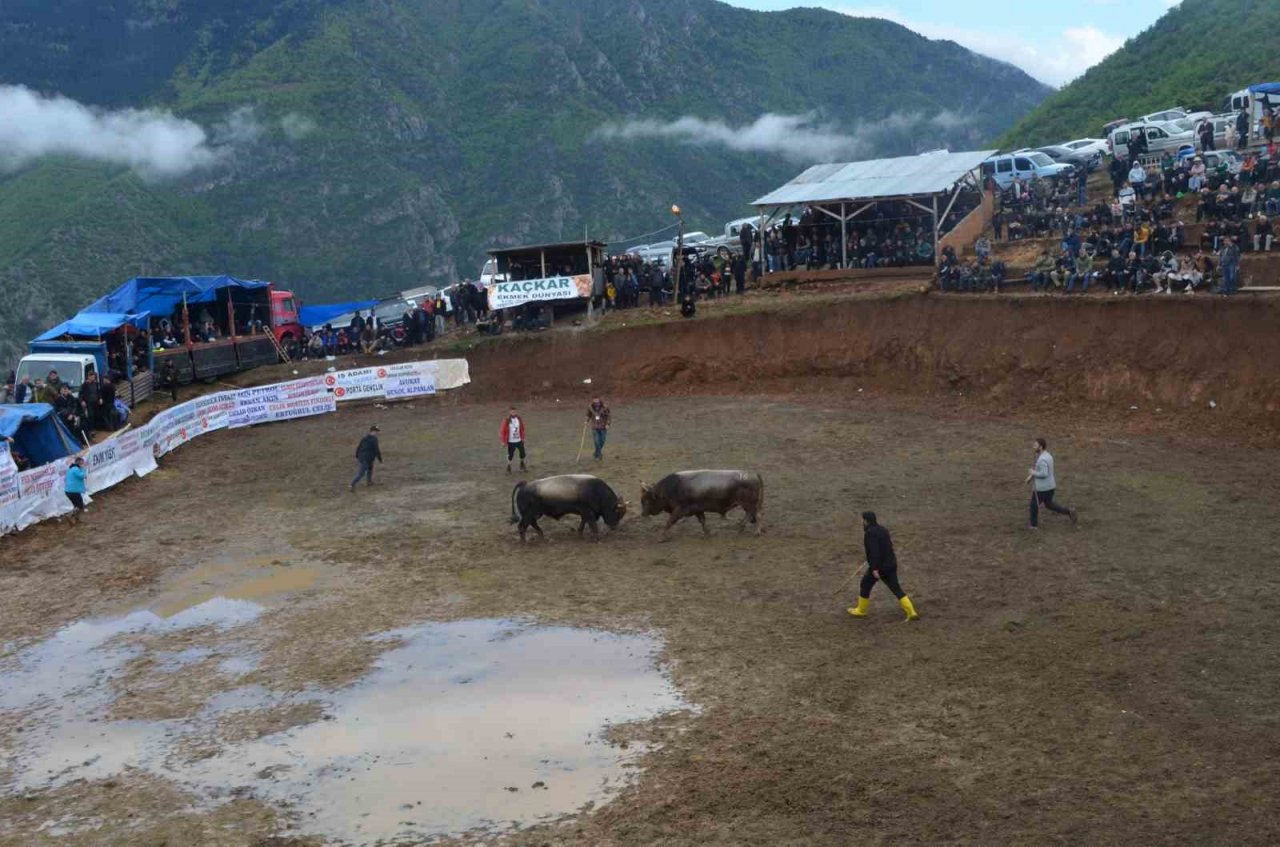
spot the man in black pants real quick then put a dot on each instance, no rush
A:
(1043, 484)
(882, 564)
(366, 451)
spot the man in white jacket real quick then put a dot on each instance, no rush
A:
(1044, 484)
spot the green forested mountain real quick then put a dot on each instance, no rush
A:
(396, 139)
(1195, 56)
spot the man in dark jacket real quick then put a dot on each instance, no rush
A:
(366, 452)
(107, 411)
(882, 564)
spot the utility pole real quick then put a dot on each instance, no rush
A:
(678, 264)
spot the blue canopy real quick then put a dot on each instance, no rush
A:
(95, 324)
(160, 295)
(312, 316)
(37, 432)
(1265, 88)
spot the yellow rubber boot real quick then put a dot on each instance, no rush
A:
(905, 603)
(860, 611)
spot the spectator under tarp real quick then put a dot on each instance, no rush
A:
(95, 325)
(161, 295)
(910, 179)
(37, 432)
(314, 316)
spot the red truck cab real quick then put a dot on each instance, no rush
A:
(284, 316)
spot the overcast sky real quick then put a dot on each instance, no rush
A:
(1054, 43)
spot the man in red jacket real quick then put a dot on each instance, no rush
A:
(513, 436)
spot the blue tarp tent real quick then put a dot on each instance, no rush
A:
(313, 316)
(161, 295)
(37, 432)
(1265, 88)
(95, 324)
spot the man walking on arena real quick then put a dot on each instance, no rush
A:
(513, 437)
(881, 564)
(366, 452)
(1044, 485)
(599, 417)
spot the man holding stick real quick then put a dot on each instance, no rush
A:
(599, 417)
(882, 565)
(1044, 484)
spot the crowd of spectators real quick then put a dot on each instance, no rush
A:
(1134, 241)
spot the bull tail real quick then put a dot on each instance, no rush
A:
(760, 499)
(515, 507)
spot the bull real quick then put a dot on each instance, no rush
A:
(694, 493)
(584, 495)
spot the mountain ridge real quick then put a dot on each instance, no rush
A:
(426, 133)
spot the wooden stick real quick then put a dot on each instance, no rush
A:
(581, 443)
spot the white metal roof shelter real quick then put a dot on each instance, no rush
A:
(909, 179)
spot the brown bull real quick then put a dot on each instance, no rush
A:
(694, 493)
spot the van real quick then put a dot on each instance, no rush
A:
(1160, 138)
(1023, 165)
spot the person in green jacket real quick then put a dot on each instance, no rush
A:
(1040, 279)
(1084, 271)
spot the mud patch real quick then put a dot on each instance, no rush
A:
(479, 725)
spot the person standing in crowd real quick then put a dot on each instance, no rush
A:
(513, 437)
(23, 392)
(171, 379)
(1242, 130)
(599, 417)
(6, 391)
(1229, 263)
(74, 487)
(91, 401)
(109, 417)
(366, 451)
(1044, 485)
(881, 565)
(439, 309)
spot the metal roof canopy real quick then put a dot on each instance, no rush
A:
(876, 179)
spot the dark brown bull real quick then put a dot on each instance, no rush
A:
(694, 493)
(583, 495)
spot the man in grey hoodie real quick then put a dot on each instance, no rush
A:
(1044, 484)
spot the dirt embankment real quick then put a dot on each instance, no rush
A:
(1175, 354)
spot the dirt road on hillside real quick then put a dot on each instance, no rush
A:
(1068, 686)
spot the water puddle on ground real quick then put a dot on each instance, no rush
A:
(459, 726)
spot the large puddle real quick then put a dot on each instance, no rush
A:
(478, 724)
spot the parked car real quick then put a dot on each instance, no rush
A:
(1160, 137)
(1090, 145)
(1163, 117)
(1025, 165)
(1076, 158)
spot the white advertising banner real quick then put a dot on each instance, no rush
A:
(43, 494)
(505, 295)
(407, 379)
(117, 459)
(178, 425)
(8, 489)
(284, 401)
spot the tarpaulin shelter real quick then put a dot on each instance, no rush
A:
(314, 316)
(845, 190)
(89, 324)
(161, 295)
(1265, 88)
(37, 432)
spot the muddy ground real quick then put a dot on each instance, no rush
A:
(1099, 685)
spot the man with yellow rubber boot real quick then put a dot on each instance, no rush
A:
(882, 564)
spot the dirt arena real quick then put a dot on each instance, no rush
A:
(1114, 683)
